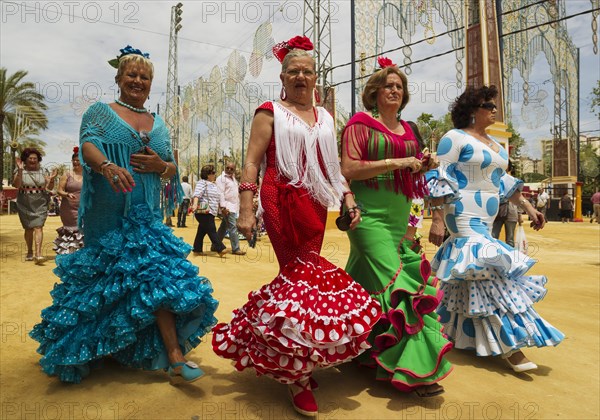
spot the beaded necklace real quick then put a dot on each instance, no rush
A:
(134, 109)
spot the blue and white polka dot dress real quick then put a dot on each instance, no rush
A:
(488, 298)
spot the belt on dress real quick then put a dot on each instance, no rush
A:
(31, 190)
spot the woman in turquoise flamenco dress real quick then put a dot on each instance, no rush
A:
(129, 293)
(381, 157)
(488, 296)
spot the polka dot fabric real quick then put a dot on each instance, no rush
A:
(312, 314)
(488, 296)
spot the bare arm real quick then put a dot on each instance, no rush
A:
(62, 184)
(18, 178)
(94, 158)
(437, 230)
(260, 137)
(537, 217)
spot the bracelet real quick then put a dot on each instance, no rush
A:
(105, 165)
(163, 173)
(387, 165)
(348, 193)
(433, 208)
(248, 186)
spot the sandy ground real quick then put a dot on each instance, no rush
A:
(565, 386)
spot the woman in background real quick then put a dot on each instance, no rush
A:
(32, 200)
(70, 238)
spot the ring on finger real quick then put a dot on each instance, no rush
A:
(142, 166)
(115, 178)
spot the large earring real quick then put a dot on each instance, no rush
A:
(283, 94)
(399, 115)
(317, 96)
(375, 112)
(472, 119)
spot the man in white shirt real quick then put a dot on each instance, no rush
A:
(185, 204)
(229, 186)
(543, 201)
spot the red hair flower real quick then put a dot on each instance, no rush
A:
(75, 150)
(300, 42)
(384, 62)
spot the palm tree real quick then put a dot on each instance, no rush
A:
(21, 110)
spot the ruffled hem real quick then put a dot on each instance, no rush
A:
(499, 333)
(479, 258)
(69, 240)
(109, 293)
(442, 187)
(408, 343)
(508, 186)
(311, 315)
(488, 300)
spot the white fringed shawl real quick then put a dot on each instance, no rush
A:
(298, 147)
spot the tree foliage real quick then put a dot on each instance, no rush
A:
(515, 143)
(22, 112)
(596, 99)
(590, 169)
(432, 129)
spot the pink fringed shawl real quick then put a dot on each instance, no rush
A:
(364, 137)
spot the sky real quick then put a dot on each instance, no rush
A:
(65, 46)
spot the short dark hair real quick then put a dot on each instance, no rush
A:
(30, 151)
(378, 80)
(206, 171)
(464, 106)
(184, 178)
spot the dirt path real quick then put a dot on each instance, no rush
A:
(566, 385)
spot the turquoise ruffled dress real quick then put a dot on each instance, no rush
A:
(131, 266)
(488, 294)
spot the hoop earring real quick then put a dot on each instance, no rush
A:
(317, 96)
(472, 119)
(283, 94)
(375, 112)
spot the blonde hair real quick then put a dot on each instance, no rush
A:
(134, 59)
(378, 80)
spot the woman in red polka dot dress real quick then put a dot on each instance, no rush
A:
(312, 314)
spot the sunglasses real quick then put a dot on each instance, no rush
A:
(488, 105)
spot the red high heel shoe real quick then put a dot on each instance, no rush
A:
(304, 402)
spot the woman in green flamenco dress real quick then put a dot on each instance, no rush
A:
(381, 156)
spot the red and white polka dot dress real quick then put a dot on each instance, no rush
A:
(313, 314)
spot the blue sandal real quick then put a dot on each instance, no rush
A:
(190, 372)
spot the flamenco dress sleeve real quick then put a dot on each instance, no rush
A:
(444, 181)
(508, 186)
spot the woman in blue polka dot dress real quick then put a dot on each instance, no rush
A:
(488, 296)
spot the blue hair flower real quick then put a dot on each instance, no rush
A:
(127, 51)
